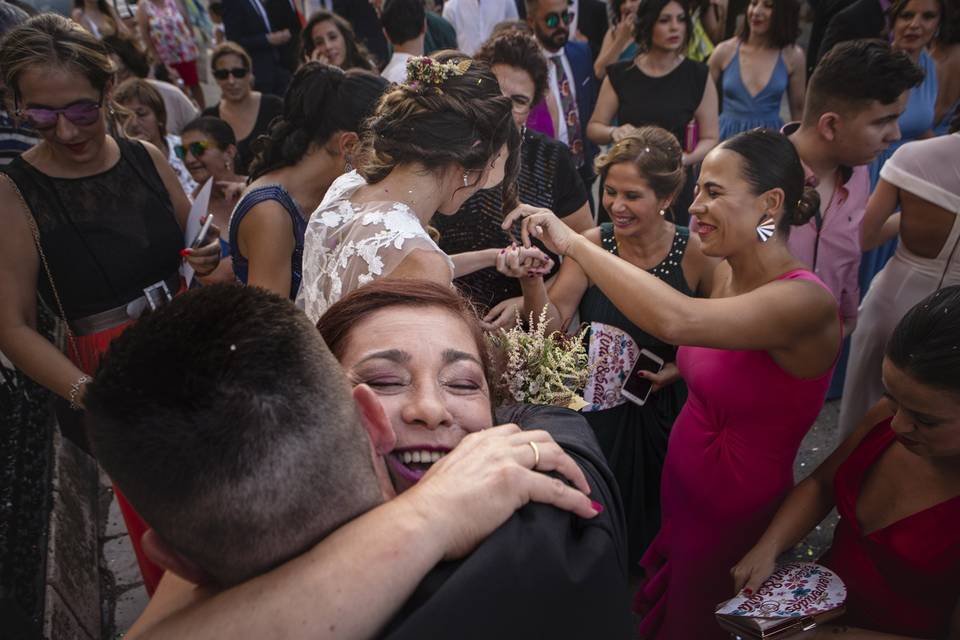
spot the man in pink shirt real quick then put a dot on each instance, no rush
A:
(854, 98)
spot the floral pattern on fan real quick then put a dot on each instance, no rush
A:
(794, 590)
(612, 354)
(347, 246)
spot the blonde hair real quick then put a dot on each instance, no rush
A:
(54, 41)
(657, 156)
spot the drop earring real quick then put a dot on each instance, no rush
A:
(766, 227)
(348, 165)
(466, 179)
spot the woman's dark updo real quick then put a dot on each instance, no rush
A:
(926, 342)
(770, 161)
(462, 119)
(320, 101)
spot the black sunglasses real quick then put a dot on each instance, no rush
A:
(236, 72)
(554, 19)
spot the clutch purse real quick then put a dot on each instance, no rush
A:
(796, 598)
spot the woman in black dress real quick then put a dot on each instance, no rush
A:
(248, 112)
(99, 232)
(661, 87)
(642, 174)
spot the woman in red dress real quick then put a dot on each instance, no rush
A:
(896, 483)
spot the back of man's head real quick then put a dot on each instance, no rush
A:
(403, 20)
(855, 74)
(231, 429)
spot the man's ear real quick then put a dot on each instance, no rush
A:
(374, 419)
(827, 125)
(160, 552)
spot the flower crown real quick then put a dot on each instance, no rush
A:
(427, 71)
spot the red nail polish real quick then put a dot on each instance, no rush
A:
(748, 591)
(596, 506)
(184, 252)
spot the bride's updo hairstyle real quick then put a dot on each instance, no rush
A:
(449, 111)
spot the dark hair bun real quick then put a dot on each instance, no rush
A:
(805, 208)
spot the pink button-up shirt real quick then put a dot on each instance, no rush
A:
(835, 246)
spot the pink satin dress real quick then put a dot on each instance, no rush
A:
(729, 465)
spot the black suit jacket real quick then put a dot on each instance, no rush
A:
(545, 573)
(862, 19)
(363, 18)
(244, 25)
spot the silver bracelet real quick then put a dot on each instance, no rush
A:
(75, 391)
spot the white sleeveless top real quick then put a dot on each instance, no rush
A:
(347, 245)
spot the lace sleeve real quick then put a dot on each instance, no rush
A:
(346, 247)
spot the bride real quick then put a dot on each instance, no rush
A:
(432, 143)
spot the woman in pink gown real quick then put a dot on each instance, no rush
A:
(757, 357)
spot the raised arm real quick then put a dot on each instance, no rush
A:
(785, 316)
(339, 589)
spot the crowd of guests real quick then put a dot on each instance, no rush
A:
(390, 181)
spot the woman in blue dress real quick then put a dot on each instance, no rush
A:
(914, 23)
(758, 66)
(308, 147)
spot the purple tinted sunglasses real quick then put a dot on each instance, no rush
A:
(81, 114)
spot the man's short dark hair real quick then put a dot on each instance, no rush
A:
(231, 429)
(856, 73)
(518, 49)
(403, 20)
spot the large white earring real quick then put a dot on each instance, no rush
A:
(766, 228)
(466, 179)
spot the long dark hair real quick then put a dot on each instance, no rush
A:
(784, 24)
(926, 342)
(356, 57)
(320, 101)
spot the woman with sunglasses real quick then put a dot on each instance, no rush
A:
(98, 233)
(248, 112)
(208, 148)
(308, 147)
(147, 121)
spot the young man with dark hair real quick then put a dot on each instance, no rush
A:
(404, 23)
(233, 431)
(854, 98)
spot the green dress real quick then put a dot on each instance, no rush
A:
(632, 437)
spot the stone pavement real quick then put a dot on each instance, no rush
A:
(124, 596)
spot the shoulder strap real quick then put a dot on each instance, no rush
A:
(35, 231)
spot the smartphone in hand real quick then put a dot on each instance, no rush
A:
(636, 388)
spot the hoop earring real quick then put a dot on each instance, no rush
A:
(766, 228)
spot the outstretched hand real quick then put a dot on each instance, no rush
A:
(523, 262)
(476, 487)
(542, 224)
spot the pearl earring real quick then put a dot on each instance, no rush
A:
(663, 212)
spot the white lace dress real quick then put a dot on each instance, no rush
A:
(347, 245)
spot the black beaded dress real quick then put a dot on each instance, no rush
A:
(634, 438)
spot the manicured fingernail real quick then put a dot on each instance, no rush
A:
(185, 252)
(748, 591)
(596, 506)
